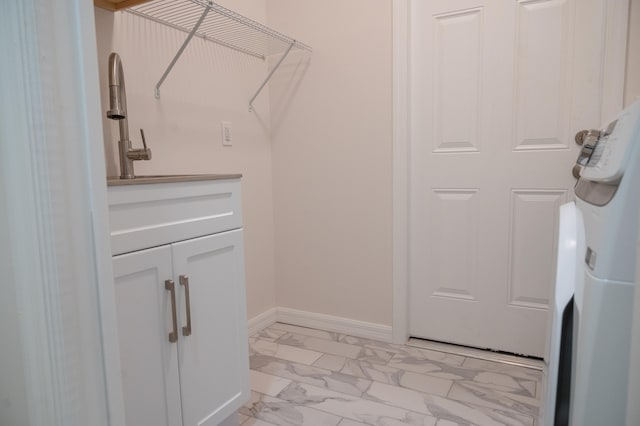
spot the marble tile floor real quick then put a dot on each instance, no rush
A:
(302, 376)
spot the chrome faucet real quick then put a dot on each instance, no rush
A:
(118, 111)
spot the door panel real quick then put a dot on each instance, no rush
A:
(457, 80)
(529, 263)
(497, 90)
(149, 362)
(543, 68)
(214, 365)
(454, 224)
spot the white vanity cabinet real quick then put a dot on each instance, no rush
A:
(193, 371)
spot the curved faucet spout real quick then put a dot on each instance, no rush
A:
(118, 111)
(117, 95)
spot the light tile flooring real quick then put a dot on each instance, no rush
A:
(302, 376)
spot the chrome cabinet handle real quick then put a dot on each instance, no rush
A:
(184, 281)
(170, 286)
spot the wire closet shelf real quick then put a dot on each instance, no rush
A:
(210, 21)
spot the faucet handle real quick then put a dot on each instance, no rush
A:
(140, 154)
(144, 141)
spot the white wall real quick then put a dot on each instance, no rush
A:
(332, 156)
(208, 85)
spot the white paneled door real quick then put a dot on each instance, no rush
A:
(498, 88)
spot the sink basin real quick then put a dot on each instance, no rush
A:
(147, 179)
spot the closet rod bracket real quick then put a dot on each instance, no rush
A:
(184, 45)
(266, 80)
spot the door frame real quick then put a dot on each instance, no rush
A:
(615, 19)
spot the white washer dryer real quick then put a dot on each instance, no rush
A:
(587, 362)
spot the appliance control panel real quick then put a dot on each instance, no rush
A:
(605, 152)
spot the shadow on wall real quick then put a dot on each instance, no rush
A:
(284, 85)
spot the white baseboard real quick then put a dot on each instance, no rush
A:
(262, 321)
(351, 327)
(324, 322)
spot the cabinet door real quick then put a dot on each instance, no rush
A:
(149, 362)
(214, 361)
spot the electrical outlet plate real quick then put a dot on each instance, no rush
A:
(227, 138)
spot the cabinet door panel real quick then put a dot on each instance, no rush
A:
(213, 360)
(149, 362)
